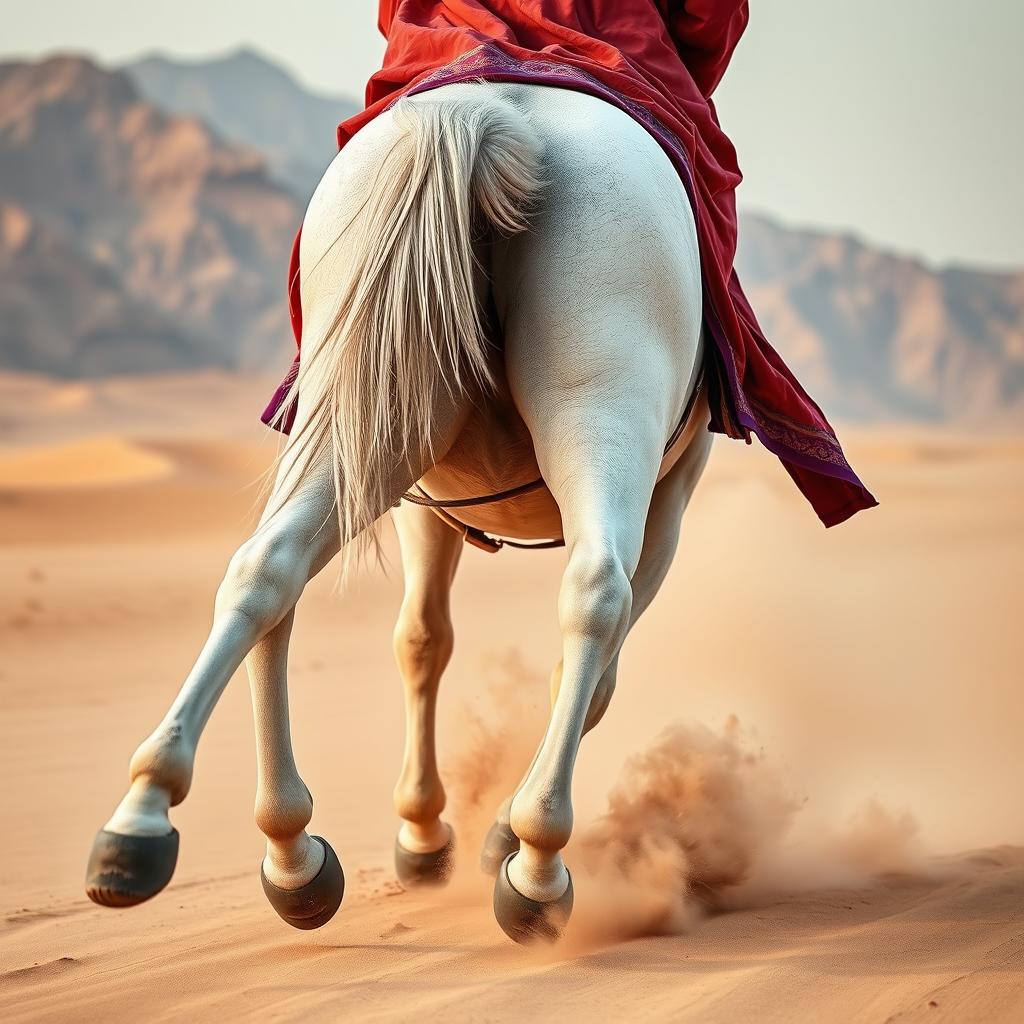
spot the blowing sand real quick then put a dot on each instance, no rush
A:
(803, 804)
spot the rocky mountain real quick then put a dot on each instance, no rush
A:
(132, 239)
(874, 335)
(65, 313)
(248, 99)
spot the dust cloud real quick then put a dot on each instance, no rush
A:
(699, 821)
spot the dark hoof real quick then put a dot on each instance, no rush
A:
(425, 869)
(317, 901)
(125, 870)
(528, 921)
(499, 842)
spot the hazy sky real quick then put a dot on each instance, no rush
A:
(898, 119)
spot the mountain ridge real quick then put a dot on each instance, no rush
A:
(184, 225)
(139, 239)
(254, 101)
(876, 334)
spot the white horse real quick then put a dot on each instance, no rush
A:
(499, 281)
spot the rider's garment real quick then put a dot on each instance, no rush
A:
(660, 61)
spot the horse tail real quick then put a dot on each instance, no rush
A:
(409, 330)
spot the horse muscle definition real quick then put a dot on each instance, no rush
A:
(500, 281)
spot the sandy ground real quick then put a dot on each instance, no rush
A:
(835, 716)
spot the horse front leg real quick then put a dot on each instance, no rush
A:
(301, 874)
(423, 642)
(134, 854)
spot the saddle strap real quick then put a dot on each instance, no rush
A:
(478, 538)
(426, 501)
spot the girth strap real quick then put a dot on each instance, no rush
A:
(478, 538)
(489, 499)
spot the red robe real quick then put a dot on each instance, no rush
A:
(660, 61)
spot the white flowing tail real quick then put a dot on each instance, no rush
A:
(409, 326)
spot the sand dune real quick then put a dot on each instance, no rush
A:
(90, 462)
(836, 717)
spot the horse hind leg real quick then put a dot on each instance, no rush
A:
(604, 534)
(620, 550)
(423, 641)
(661, 536)
(501, 841)
(134, 854)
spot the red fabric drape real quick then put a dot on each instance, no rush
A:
(663, 59)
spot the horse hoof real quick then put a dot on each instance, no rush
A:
(313, 905)
(529, 921)
(499, 843)
(425, 869)
(124, 870)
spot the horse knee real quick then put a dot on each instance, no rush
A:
(423, 643)
(264, 578)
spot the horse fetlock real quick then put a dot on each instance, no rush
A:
(282, 812)
(541, 818)
(165, 760)
(418, 799)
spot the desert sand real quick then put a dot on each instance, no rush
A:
(803, 805)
